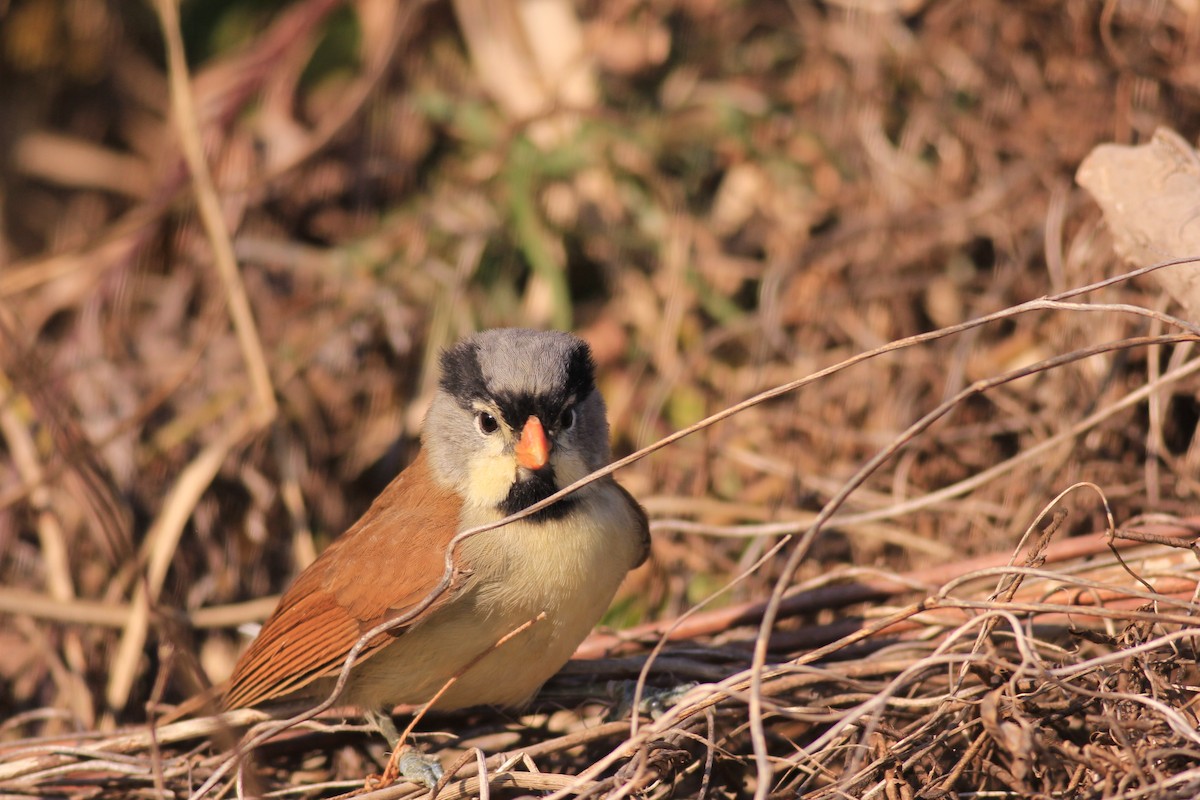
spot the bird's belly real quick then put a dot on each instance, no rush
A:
(558, 582)
(463, 643)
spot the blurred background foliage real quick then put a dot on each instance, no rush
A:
(719, 196)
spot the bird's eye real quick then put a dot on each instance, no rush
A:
(567, 419)
(486, 423)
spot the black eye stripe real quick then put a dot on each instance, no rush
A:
(463, 380)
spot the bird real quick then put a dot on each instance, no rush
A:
(516, 416)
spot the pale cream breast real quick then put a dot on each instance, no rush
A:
(567, 568)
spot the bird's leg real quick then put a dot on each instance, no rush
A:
(405, 760)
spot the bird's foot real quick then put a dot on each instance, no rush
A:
(412, 765)
(654, 702)
(405, 761)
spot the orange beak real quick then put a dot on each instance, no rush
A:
(533, 450)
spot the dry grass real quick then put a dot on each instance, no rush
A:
(871, 576)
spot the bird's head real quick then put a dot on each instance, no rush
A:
(516, 417)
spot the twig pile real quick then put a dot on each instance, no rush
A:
(1056, 677)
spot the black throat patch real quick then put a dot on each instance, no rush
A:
(532, 489)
